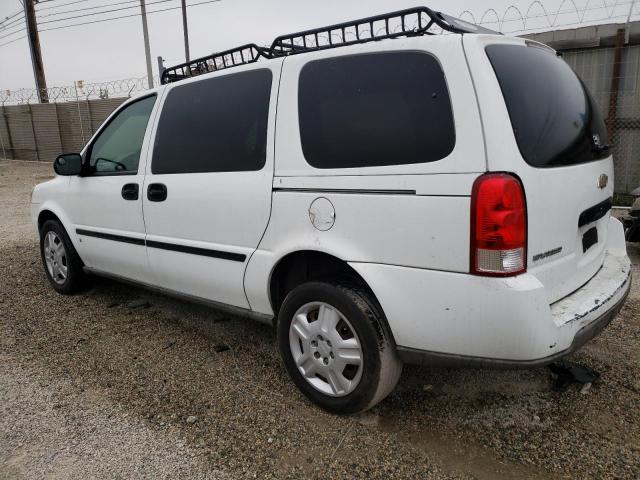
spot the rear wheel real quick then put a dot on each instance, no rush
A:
(61, 262)
(335, 347)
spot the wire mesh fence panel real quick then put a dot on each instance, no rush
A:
(6, 147)
(47, 131)
(71, 126)
(44, 131)
(101, 109)
(616, 90)
(19, 121)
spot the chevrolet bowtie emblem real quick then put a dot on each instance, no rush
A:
(603, 180)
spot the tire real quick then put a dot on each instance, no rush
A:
(66, 275)
(359, 323)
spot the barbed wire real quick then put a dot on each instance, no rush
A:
(79, 91)
(537, 10)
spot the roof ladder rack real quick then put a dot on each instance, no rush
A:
(402, 23)
(234, 57)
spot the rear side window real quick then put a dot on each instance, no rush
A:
(373, 110)
(214, 125)
(553, 116)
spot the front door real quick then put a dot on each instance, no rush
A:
(105, 202)
(208, 187)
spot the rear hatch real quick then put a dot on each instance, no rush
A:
(564, 163)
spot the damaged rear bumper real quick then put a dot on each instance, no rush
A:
(585, 334)
(452, 319)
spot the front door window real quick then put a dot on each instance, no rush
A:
(116, 150)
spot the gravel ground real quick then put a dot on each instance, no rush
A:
(97, 386)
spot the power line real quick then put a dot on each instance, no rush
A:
(12, 23)
(11, 41)
(88, 8)
(100, 13)
(126, 16)
(47, 1)
(11, 16)
(12, 33)
(10, 30)
(58, 6)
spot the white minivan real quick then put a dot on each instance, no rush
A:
(433, 199)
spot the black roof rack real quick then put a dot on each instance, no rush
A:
(402, 23)
(242, 55)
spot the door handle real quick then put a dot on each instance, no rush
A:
(157, 192)
(130, 191)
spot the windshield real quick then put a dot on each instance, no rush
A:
(554, 118)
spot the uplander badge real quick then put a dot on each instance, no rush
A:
(547, 254)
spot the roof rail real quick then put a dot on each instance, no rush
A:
(410, 22)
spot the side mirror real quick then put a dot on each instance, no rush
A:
(68, 164)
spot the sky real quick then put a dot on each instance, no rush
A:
(115, 50)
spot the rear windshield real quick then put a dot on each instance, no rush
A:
(554, 118)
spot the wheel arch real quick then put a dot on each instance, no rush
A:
(45, 215)
(300, 266)
(50, 211)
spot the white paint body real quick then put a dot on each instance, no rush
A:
(412, 249)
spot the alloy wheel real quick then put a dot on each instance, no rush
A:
(326, 349)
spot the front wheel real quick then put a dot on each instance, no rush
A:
(336, 348)
(61, 262)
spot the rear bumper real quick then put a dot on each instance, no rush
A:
(455, 319)
(586, 333)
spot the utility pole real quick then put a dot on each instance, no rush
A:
(147, 52)
(36, 54)
(186, 30)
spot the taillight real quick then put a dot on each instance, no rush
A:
(498, 226)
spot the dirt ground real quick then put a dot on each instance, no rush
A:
(97, 386)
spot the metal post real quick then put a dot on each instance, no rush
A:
(185, 30)
(4, 153)
(9, 137)
(75, 86)
(90, 113)
(145, 34)
(615, 86)
(160, 68)
(36, 54)
(62, 149)
(33, 132)
(627, 26)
